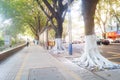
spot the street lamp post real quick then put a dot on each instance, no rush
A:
(70, 28)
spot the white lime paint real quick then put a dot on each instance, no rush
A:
(58, 48)
(92, 58)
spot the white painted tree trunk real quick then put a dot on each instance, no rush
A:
(92, 59)
(58, 48)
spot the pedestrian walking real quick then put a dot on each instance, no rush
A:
(27, 44)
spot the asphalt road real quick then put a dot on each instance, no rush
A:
(111, 52)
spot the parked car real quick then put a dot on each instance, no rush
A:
(103, 41)
(76, 42)
(99, 42)
(116, 41)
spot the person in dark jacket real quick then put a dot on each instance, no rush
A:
(27, 44)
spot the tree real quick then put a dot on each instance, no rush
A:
(106, 13)
(103, 15)
(37, 21)
(9, 11)
(25, 15)
(114, 5)
(57, 9)
(92, 57)
(31, 16)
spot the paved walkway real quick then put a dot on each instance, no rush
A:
(84, 73)
(38, 64)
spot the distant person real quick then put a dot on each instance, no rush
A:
(37, 42)
(27, 44)
(10, 45)
(34, 41)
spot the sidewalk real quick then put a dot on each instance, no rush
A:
(66, 59)
(38, 64)
(84, 74)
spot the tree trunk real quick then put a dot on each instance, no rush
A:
(37, 39)
(117, 27)
(59, 30)
(88, 11)
(104, 35)
(91, 58)
(58, 48)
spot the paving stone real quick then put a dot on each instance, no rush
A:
(50, 73)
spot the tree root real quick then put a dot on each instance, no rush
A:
(58, 48)
(92, 59)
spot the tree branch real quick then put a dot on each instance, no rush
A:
(50, 17)
(32, 29)
(50, 8)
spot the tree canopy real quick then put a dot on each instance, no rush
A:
(24, 14)
(106, 13)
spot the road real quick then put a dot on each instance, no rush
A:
(111, 52)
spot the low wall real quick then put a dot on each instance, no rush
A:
(5, 54)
